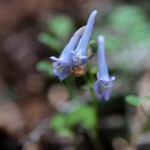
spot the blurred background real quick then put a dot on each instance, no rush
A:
(30, 96)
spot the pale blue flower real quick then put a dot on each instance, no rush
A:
(79, 55)
(61, 66)
(103, 85)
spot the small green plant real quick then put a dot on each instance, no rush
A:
(82, 115)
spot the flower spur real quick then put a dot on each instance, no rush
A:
(103, 85)
(61, 65)
(79, 54)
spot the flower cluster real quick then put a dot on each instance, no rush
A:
(62, 65)
(74, 54)
(73, 57)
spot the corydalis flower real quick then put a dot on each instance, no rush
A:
(61, 66)
(79, 55)
(103, 85)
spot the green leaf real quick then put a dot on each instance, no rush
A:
(133, 100)
(91, 43)
(89, 119)
(84, 115)
(50, 41)
(64, 132)
(94, 70)
(126, 16)
(147, 97)
(58, 122)
(44, 66)
(123, 20)
(61, 26)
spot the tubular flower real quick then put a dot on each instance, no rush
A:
(103, 85)
(61, 65)
(79, 55)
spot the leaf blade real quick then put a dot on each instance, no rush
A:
(133, 100)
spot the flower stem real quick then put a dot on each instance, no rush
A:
(71, 87)
(94, 132)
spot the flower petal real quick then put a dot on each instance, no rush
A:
(61, 70)
(54, 58)
(79, 57)
(107, 93)
(83, 43)
(102, 66)
(98, 90)
(66, 55)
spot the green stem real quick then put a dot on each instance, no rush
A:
(94, 132)
(71, 87)
(97, 143)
